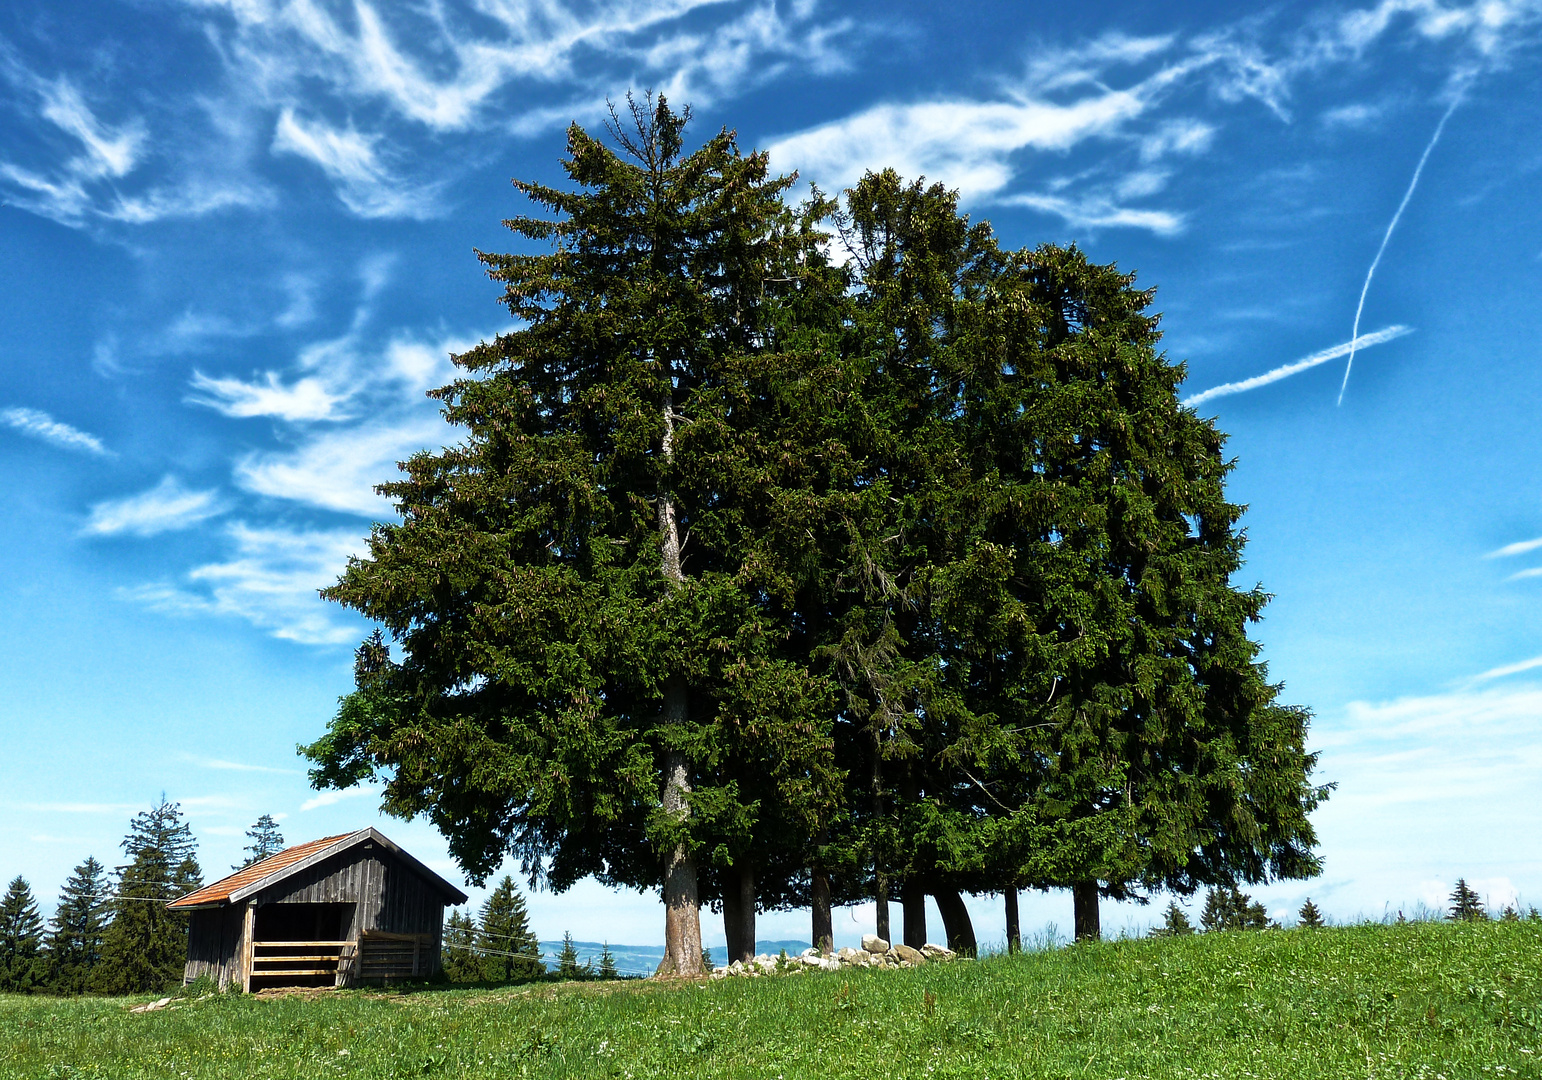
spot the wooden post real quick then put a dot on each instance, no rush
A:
(248, 936)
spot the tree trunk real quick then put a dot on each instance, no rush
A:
(824, 924)
(682, 900)
(913, 897)
(732, 922)
(880, 879)
(955, 921)
(1014, 925)
(1084, 899)
(739, 911)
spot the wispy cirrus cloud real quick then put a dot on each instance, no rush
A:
(39, 425)
(271, 581)
(338, 470)
(1520, 547)
(331, 798)
(1134, 98)
(237, 766)
(307, 398)
(164, 508)
(351, 160)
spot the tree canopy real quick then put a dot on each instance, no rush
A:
(765, 579)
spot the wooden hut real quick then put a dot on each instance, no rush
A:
(333, 912)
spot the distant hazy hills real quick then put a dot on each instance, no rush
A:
(643, 959)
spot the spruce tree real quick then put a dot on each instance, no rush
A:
(460, 959)
(22, 965)
(266, 840)
(504, 927)
(1466, 904)
(1229, 908)
(77, 927)
(145, 947)
(1051, 655)
(567, 960)
(1175, 922)
(608, 963)
(1309, 917)
(595, 591)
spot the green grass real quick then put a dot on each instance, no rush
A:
(1421, 1000)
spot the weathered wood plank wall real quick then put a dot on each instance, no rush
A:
(387, 896)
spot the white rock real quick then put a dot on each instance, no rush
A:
(810, 951)
(874, 944)
(937, 952)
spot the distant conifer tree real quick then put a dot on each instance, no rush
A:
(265, 840)
(459, 958)
(608, 963)
(1230, 908)
(75, 931)
(1466, 905)
(145, 947)
(22, 967)
(1510, 914)
(1175, 922)
(1309, 916)
(567, 961)
(505, 928)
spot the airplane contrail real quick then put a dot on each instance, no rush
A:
(1287, 370)
(1355, 333)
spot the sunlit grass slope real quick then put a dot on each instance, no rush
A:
(1421, 1000)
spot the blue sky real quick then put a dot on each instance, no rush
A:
(236, 247)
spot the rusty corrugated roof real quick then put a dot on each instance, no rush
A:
(220, 891)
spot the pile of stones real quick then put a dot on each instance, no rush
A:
(874, 953)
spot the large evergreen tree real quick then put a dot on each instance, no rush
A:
(77, 928)
(509, 947)
(1087, 708)
(266, 840)
(145, 947)
(595, 591)
(22, 966)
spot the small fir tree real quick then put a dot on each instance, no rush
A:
(1466, 905)
(145, 947)
(459, 957)
(75, 931)
(567, 961)
(265, 840)
(608, 963)
(1510, 914)
(1175, 923)
(1230, 908)
(504, 928)
(22, 967)
(1310, 918)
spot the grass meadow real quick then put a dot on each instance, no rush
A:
(1427, 1000)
